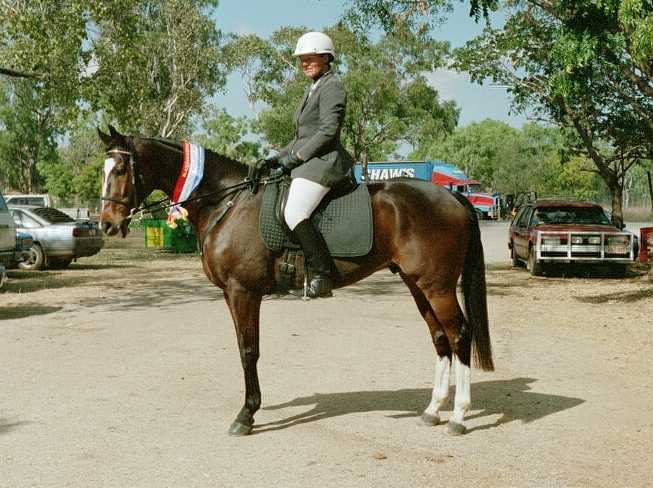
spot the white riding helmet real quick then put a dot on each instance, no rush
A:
(314, 43)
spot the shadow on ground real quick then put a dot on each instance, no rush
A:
(27, 310)
(510, 399)
(619, 297)
(8, 425)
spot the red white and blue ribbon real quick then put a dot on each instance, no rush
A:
(190, 176)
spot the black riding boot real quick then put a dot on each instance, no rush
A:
(318, 259)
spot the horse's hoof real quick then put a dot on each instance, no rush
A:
(237, 429)
(455, 429)
(430, 420)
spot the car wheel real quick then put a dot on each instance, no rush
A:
(35, 260)
(479, 214)
(513, 257)
(533, 266)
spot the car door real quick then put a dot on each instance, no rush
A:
(520, 235)
(7, 229)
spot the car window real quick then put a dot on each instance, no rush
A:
(26, 221)
(517, 216)
(17, 218)
(3, 205)
(53, 215)
(523, 217)
(573, 215)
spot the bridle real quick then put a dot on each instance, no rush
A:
(136, 184)
(136, 179)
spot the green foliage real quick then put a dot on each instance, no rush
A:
(225, 135)
(388, 98)
(580, 65)
(158, 61)
(28, 138)
(510, 160)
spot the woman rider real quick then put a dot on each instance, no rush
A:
(315, 159)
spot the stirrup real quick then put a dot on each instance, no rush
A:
(319, 286)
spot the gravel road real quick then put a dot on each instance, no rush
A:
(123, 371)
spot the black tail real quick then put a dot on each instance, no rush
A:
(475, 293)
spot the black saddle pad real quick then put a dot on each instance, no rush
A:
(345, 222)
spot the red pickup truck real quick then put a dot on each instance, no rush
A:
(557, 232)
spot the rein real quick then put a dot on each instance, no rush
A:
(248, 182)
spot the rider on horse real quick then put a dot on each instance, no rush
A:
(316, 159)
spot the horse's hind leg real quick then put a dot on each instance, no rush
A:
(447, 310)
(431, 415)
(245, 308)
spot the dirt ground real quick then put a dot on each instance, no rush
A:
(123, 371)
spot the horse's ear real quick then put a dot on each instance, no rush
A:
(113, 131)
(105, 138)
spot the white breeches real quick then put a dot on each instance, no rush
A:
(303, 198)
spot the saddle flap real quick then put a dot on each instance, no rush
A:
(345, 221)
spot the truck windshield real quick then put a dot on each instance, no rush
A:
(474, 188)
(570, 215)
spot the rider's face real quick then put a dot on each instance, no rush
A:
(313, 65)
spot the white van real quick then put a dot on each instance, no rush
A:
(37, 200)
(7, 240)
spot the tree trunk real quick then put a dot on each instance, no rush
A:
(650, 188)
(364, 159)
(616, 190)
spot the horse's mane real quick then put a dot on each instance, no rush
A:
(176, 145)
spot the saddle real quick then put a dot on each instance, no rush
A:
(344, 217)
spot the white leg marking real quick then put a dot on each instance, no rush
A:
(463, 399)
(440, 386)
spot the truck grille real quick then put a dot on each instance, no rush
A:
(585, 246)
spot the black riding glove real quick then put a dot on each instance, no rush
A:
(278, 171)
(272, 161)
(289, 161)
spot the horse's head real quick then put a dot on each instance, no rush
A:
(120, 183)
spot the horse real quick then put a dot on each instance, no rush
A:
(426, 233)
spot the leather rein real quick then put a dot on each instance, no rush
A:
(247, 182)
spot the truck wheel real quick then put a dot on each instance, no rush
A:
(36, 259)
(533, 266)
(516, 263)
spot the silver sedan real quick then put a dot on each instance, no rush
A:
(58, 238)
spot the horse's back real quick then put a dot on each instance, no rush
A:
(422, 225)
(421, 199)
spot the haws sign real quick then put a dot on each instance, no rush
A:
(439, 172)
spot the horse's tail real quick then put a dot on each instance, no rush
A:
(475, 293)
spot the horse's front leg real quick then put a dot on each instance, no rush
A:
(245, 307)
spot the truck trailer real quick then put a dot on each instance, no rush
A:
(488, 206)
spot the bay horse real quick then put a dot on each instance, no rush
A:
(425, 232)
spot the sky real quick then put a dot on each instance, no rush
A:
(262, 17)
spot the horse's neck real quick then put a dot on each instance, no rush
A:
(219, 173)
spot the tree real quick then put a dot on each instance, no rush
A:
(572, 63)
(513, 161)
(388, 98)
(28, 138)
(226, 135)
(158, 62)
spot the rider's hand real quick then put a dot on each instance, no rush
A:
(272, 161)
(289, 161)
(278, 171)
